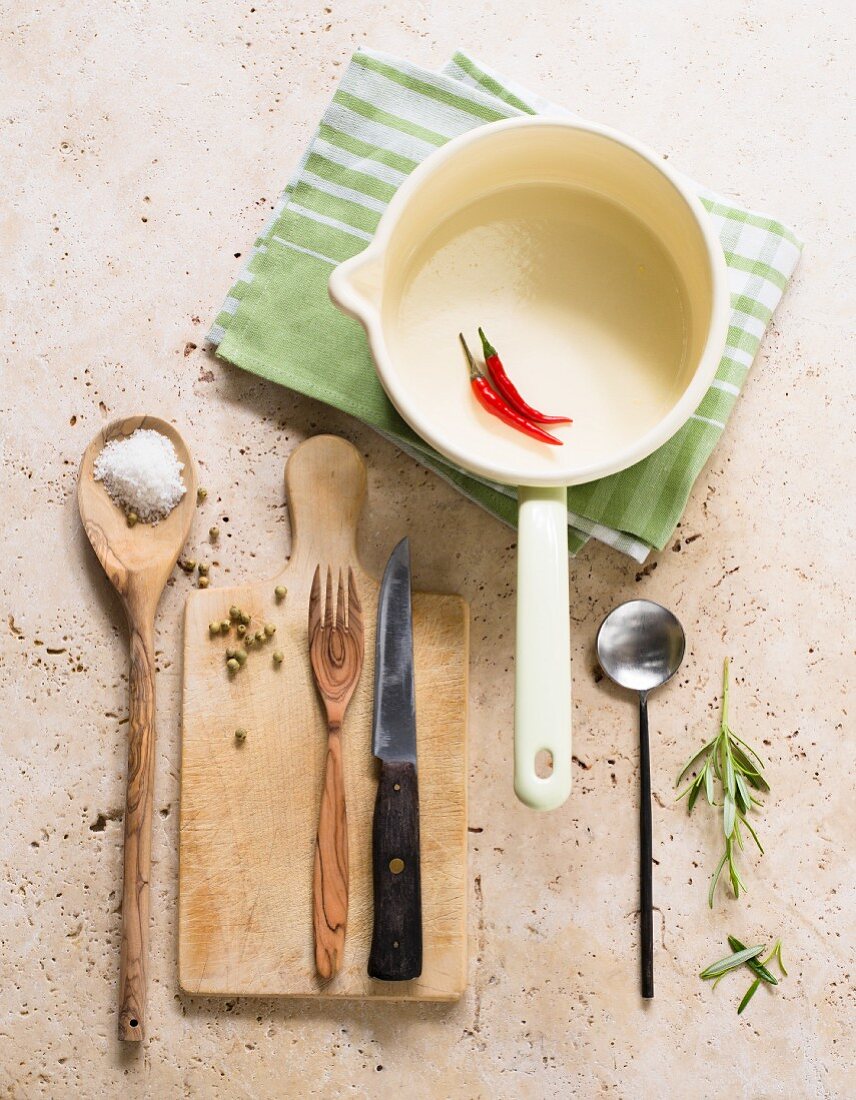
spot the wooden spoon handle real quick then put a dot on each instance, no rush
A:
(330, 881)
(138, 834)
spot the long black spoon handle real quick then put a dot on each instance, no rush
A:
(646, 853)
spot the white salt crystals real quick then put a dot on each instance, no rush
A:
(142, 474)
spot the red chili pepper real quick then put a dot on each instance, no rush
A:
(509, 391)
(495, 405)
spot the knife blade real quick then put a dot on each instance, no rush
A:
(396, 949)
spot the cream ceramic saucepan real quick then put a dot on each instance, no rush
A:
(593, 269)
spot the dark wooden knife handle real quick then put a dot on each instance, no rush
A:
(396, 951)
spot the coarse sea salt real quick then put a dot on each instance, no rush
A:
(142, 474)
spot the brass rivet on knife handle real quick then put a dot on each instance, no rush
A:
(336, 654)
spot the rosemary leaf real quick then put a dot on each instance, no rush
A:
(729, 772)
(701, 752)
(748, 995)
(685, 791)
(708, 784)
(740, 740)
(731, 962)
(728, 812)
(714, 879)
(741, 794)
(754, 835)
(752, 770)
(734, 874)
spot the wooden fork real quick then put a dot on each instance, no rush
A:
(336, 653)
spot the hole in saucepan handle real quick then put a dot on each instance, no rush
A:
(544, 764)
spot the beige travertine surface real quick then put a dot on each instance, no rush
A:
(142, 146)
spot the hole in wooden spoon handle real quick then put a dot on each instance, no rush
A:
(130, 1027)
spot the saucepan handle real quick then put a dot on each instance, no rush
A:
(542, 718)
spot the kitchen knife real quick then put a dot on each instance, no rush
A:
(396, 951)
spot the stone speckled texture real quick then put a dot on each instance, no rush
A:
(142, 147)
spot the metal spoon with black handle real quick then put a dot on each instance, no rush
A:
(640, 645)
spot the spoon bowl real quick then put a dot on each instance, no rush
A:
(146, 552)
(138, 560)
(640, 645)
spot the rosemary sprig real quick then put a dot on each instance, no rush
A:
(729, 761)
(749, 957)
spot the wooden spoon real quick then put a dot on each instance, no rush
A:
(138, 560)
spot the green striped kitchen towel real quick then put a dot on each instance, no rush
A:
(385, 117)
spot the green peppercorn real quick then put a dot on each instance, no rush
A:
(201, 494)
(203, 581)
(270, 630)
(213, 628)
(214, 533)
(234, 613)
(187, 564)
(225, 626)
(132, 518)
(240, 734)
(241, 656)
(278, 657)
(244, 618)
(260, 637)
(280, 592)
(240, 630)
(230, 653)
(232, 665)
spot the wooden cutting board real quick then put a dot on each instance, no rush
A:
(249, 811)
